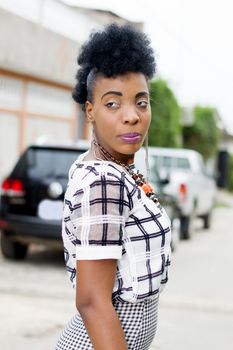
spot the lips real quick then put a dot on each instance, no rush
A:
(131, 137)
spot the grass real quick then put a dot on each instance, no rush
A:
(222, 205)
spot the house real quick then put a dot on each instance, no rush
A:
(39, 43)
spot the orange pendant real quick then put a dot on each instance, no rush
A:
(147, 188)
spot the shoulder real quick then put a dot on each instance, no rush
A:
(91, 172)
(101, 179)
(99, 186)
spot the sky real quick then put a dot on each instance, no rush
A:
(193, 44)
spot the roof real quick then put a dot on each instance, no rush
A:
(103, 12)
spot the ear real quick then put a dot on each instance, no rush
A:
(89, 111)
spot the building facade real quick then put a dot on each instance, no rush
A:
(39, 43)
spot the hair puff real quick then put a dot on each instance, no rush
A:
(113, 51)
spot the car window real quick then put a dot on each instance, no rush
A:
(169, 162)
(154, 175)
(41, 163)
(162, 161)
(166, 162)
(182, 163)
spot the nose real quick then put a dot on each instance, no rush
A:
(130, 115)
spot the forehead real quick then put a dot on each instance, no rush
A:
(127, 84)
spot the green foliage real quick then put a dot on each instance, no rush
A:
(203, 136)
(165, 129)
(230, 180)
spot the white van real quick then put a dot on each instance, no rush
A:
(186, 179)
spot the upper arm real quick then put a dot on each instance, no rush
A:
(97, 218)
(95, 281)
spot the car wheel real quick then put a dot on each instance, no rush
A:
(186, 226)
(207, 220)
(11, 249)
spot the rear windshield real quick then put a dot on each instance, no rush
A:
(171, 162)
(39, 162)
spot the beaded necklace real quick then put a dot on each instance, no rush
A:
(135, 174)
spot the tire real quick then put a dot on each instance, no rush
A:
(187, 223)
(207, 220)
(186, 227)
(12, 250)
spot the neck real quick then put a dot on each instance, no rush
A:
(102, 154)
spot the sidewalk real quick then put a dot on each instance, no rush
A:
(224, 198)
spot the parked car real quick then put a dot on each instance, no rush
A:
(32, 199)
(188, 182)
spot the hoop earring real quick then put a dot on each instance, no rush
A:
(147, 158)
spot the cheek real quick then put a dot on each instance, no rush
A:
(103, 121)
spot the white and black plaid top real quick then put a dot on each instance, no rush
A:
(107, 216)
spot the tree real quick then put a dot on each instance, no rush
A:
(203, 136)
(165, 129)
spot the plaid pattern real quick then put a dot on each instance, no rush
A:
(138, 320)
(106, 215)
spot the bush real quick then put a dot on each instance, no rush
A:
(203, 136)
(165, 129)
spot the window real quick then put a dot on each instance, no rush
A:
(182, 163)
(38, 163)
(169, 162)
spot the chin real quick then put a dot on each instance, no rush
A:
(130, 149)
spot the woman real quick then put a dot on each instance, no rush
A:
(116, 235)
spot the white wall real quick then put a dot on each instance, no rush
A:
(36, 50)
(54, 15)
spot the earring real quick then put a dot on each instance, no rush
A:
(147, 158)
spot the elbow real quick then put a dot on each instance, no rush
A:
(81, 305)
(84, 304)
(87, 305)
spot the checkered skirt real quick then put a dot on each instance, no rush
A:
(138, 320)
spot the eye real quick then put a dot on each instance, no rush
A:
(142, 103)
(112, 105)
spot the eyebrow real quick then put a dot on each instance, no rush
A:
(118, 93)
(142, 93)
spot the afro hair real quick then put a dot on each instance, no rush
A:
(113, 51)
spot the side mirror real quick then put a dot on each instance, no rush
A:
(164, 181)
(164, 177)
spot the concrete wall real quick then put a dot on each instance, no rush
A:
(29, 48)
(43, 40)
(73, 22)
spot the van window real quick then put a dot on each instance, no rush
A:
(169, 162)
(182, 163)
(162, 161)
(166, 162)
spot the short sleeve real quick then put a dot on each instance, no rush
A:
(164, 279)
(98, 215)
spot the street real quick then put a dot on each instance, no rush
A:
(196, 308)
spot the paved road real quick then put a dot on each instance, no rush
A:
(197, 306)
(196, 310)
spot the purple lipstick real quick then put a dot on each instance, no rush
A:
(131, 137)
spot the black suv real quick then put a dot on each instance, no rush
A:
(32, 196)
